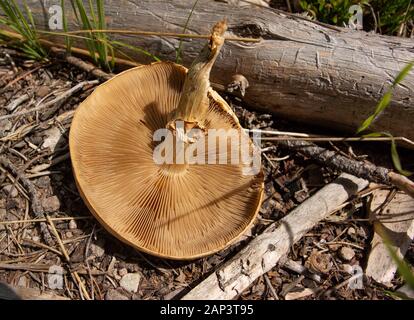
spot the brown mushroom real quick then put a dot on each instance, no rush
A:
(172, 210)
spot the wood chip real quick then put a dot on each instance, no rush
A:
(299, 294)
(381, 266)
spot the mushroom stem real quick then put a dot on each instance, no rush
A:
(194, 102)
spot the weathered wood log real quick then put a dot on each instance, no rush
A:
(264, 252)
(301, 70)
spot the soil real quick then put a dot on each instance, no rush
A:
(37, 145)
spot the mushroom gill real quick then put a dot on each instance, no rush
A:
(177, 211)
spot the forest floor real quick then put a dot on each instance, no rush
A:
(100, 266)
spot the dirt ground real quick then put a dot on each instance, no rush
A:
(36, 144)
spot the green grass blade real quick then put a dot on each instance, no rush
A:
(92, 13)
(386, 99)
(101, 15)
(396, 160)
(101, 24)
(68, 40)
(384, 102)
(397, 295)
(404, 72)
(85, 24)
(179, 49)
(134, 48)
(30, 16)
(374, 135)
(72, 3)
(23, 25)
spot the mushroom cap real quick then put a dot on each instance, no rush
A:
(170, 211)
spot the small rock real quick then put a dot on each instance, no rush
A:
(2, 218)
(20, 144)
(181, 277)
(72, 225)
(3, 213)
(43, 182)
(351, 232)
(346, 253)
(117, 276)
(58, 177)
(11, 190)
(43, 91)
(52, 137)
(347, 268)
(51, 204)
(69, 234)
(97, 248)
(319, 262)
(113, 294)
(308, 283)
(130, 282)
(22, 282)
(5, 125)
(122, 272)
(36, 139)
(362, 233)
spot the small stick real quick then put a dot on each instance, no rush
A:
(36, 206)
(59, 240)
(360, 169)
(42, 173)
(17, 102)
(59, 98)
(321, 139)
(150, 33)
(19, 133)
(74, 274)
(13, 237)
(270, 286)
(344, 243)
(41, 245)
(24, 75)
(42, 268)
(342, 284)
(87, 262)
(17, 153)
(15, 184)
(83, 65)
(300, 269)
(277, 132)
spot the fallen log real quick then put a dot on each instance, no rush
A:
(264, 252)
(326, 76)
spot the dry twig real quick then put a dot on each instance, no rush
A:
(360, 169)
(36, 206)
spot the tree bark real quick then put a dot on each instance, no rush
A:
(326, 76)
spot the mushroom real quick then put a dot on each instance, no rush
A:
(178, 210)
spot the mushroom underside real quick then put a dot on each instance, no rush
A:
(174, 211)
